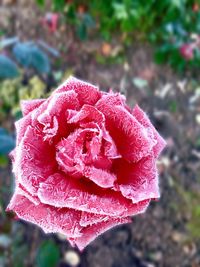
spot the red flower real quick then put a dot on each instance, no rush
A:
(187, 51)
(51, 21)
(83, 162)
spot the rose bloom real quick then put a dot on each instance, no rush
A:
(187, 51)
(51, 21)
(84, 162)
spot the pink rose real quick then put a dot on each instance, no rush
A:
(187, 51)
(51, 21)
(84, 162)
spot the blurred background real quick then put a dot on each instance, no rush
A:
(147, 50)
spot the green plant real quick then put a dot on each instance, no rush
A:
(12, 91)
(140, 20)
(48, 254)
(191, 205)
(7, 142)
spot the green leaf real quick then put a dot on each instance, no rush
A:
(58, 5)
(88, 21)
(3, 162)
(31, 56)
(173, 106)
(8, 69)
(7, 142)
(120, 11)
(48, 254)
(82, 31)
(40, 2)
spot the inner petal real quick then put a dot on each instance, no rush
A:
(77, 150)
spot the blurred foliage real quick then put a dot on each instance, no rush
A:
(8, 69)
(7, 142)
(171, 25)
(48, 254)
(12, 91)
(28, 55)
(191, 205)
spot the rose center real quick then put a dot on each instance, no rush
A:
(79, 149)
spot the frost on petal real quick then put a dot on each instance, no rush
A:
(78, 149)
(115, 99)
(35, 160)
(91, 218)
(100, 177)
(130, 136)
(137, 181)
(67, 155)
(54, 117)
(110, 149)
(61, 191)
(91, 232)
(50, 127)
(21, 126)
(29, 105)
(50, 219)
(88, 114)
(20, 190)
(87, 93)
(144, 120)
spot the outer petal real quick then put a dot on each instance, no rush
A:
(144, 120)
(91, 232)
(21, 126)
(20, 190)
(35, 160)
(137, 181)
(87, 93)
(29, 105)
(129, 135)
(50, 219)
(91, 218)
(61, 191)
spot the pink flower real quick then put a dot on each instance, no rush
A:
(187, 51)
(84, 162)
(51, 21)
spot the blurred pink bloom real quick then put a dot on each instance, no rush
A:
(187, 51)
(51, 21)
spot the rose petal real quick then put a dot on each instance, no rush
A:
(87, 93)
(20, 190)
(50, 219)
(137, 181)
(100, 177)
(75, 151)
(88, 114)
(29, 105)
(91, 232)
(56, 112)
(91, 218)
(21, 126)
(129, 135)
(61, 191)
(144, 120)
(34, 160)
